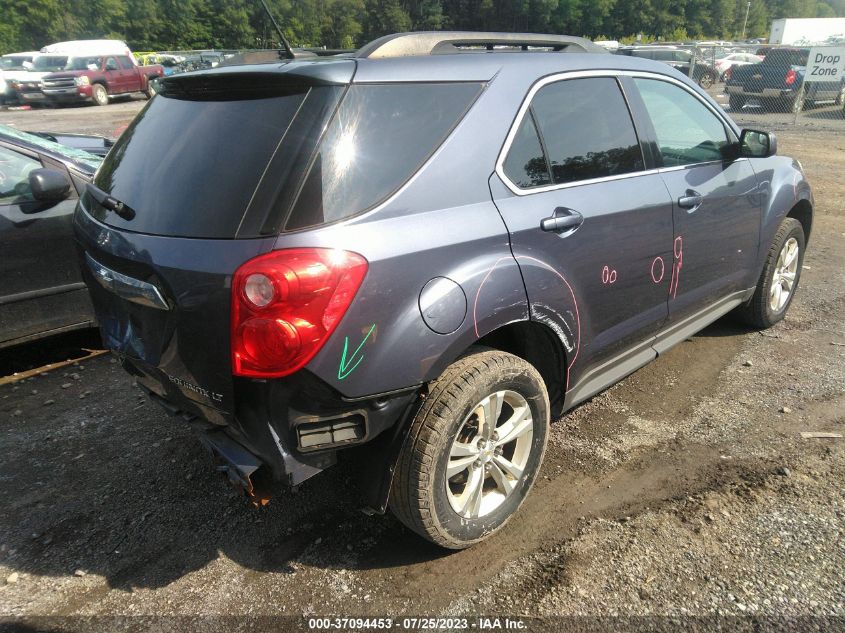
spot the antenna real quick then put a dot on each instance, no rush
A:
(285, 44)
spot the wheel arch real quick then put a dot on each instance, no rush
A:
(532, 342)
(803, 212)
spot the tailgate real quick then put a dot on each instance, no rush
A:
(163, 305)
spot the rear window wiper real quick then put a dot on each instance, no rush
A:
(111, 203)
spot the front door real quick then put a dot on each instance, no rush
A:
(42, 287)
(590, 223)
(716, 199)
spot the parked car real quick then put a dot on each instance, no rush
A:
(778, 83)
(381, 261)
(42, 291)
(28, 86)
(684, 61)
(735, 59)
(12, 67)
(98, 77)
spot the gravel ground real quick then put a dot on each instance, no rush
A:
(683, 498)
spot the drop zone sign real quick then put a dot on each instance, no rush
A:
(825, 64)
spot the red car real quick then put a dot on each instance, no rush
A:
(97, 77)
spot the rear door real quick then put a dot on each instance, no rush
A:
(42, 288)
(716, 206)
(590, 222)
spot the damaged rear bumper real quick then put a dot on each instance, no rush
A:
(282, 431)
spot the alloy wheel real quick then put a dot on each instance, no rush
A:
(783, 277)
(489, 455)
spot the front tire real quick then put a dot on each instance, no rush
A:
(100, 95)
(706, 80)
(473, 450)
(779, 279)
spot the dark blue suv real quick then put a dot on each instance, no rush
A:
(417, 256)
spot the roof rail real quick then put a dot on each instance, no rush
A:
(445, 42)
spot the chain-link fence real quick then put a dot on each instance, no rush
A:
(775, 87)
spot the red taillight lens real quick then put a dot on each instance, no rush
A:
(729, 73)
(790, 78)
(286, 304)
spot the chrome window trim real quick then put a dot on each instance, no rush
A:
(580, 74)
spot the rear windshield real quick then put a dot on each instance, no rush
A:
(784, 57)
(379, 137)
(189, 167)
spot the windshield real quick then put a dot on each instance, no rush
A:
(89, 162)
(13, 63)
(49, 63)
(82, 63)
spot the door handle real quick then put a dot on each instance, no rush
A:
(562, 219)
(692, 200)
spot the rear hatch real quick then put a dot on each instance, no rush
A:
(192, 189)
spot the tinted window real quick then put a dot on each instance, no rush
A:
(587, 129)
(681, 56)
(525, 164)
(14, 176)
(189, 163)
(125, 62)
(111, 64)
(664, 56)
(687, 131)
(787, 57)
(379, 137)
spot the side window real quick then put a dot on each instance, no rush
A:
(687, 131)
(14, 177)
(111, 64)
(682, 56)
(664, 56)
(125, 62)
(525, 164)
(586, 129)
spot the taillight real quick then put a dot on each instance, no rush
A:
(790, 78)
(286, 304)
(729, 73)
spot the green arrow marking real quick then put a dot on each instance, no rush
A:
(346, 367)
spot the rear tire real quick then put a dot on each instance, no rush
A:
(779, 279)
(100, 95)
(706, 80)
(460, 477)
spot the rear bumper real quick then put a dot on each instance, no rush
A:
(290, 429)
(766, 93)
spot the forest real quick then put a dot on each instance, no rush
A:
(150, 25)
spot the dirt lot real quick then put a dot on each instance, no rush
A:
(686, 491)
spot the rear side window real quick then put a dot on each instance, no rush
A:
(687, 131)
(586, 129)
(379, 137)
(526, 164)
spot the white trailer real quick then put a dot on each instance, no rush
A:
(807, 31)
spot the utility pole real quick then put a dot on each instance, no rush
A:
(745, 23)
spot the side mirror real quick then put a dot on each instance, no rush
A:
(48, 185)
(756, 144)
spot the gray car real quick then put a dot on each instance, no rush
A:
(417, 256)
